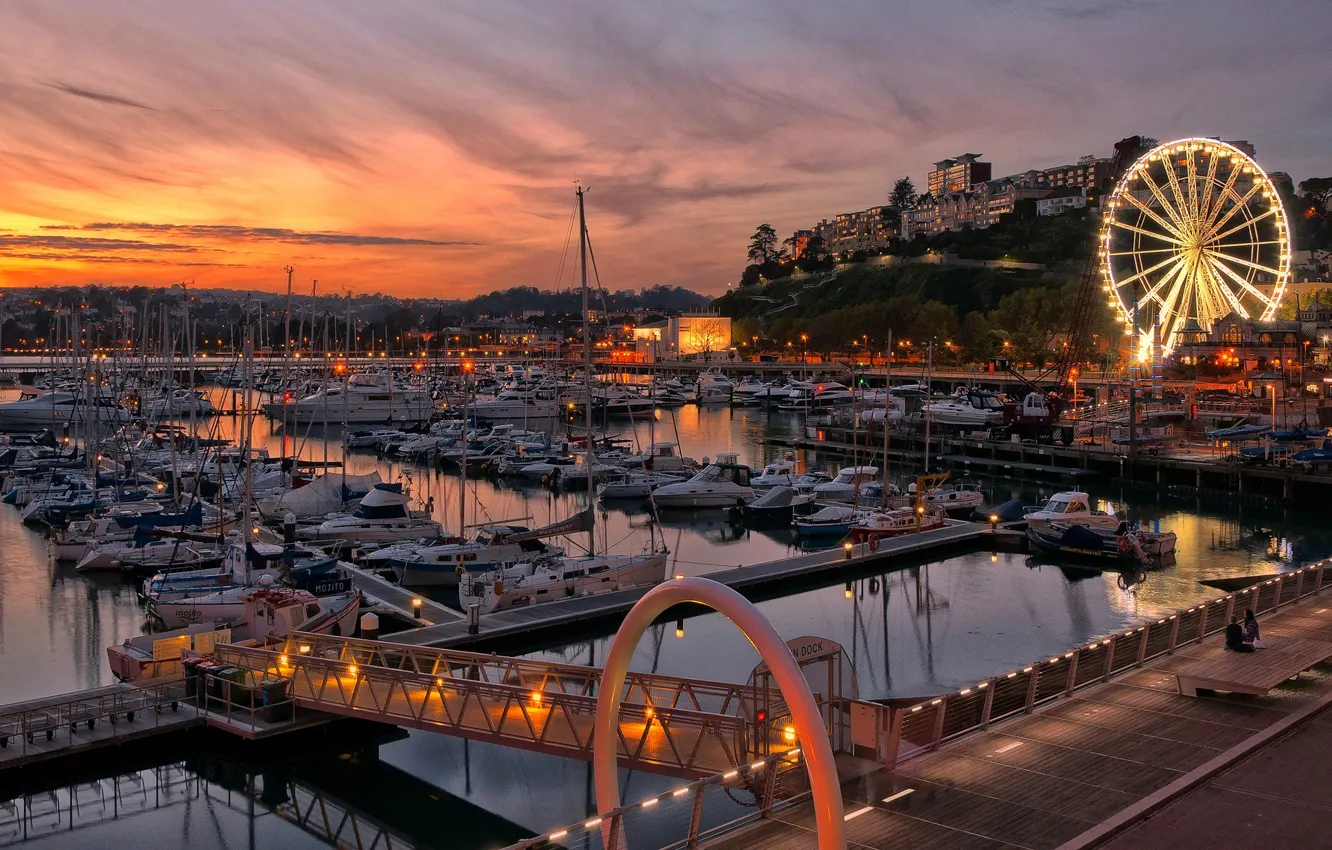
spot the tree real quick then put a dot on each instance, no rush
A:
(709, 335)
(763, 244)
(1320, 190)
(903, 194)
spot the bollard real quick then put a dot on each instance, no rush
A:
(417, 604)
(473, 618)
(289, 530)
(370, 626)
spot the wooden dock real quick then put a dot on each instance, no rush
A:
(531, 620)
(1081, 769)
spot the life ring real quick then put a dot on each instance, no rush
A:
(874, 542)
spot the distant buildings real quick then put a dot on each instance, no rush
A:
(1060, 201)
(703, 335)
(957, 174)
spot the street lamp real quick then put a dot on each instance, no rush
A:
(804, 346)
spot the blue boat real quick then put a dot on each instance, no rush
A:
(829, 521)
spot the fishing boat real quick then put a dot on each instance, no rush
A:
(266, 614)
(874, 526)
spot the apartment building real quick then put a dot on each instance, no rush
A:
(957, 174)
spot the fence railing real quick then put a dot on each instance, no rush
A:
(924, 726)
(694, 812)
(40, 725)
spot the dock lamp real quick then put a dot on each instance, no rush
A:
(849, 592)
(994, 522)
(847, 547)
(679, 627)
(416, 607)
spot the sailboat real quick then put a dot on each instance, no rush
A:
(553, 577)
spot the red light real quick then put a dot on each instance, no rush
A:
(761, 716)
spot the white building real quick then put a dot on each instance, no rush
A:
(1061, 201)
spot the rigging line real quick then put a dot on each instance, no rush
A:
(564, 255)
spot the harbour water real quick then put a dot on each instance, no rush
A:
(920, 629)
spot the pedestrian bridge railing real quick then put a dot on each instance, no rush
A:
(660, 738)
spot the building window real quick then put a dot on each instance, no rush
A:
(1232, 335)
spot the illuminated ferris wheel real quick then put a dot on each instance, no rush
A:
(1193, 232)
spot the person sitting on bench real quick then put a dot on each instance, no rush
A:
(1235, 637)
(1251, 634)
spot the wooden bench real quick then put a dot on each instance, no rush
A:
(1257, 672)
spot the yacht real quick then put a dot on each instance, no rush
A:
(554, 578)
(873, 526)
(495, 547)
(849, 479)
(1072, 507)
(969, 409)
(712, 388)
(612, 401)
(41, 411)
(962, 499)
(362, 399)
(810, 395)
(179, 402)
(720, 485)
(516, 405)
(382, 516)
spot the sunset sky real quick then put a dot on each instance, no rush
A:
(430, 148)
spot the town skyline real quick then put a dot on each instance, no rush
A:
(432, 153)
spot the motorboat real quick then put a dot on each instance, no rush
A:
(809, 395)
(953, 499)
(179, 402)
(1120, 543)
(876, 525)
(516, 405)
(59, 407)
(720, 485)
(828, 521)
(713, 388)
(362, 398)
(849, 479)
(383, 515)
(265, 614)
(613, 401)
(1072, 507)
(369, 438)
(661, 457)
(554, 578)
(778, 473)
(495, 547)
(635, 485)
(778, 505)
(968, 409)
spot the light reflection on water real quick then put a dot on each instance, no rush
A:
(919, 630)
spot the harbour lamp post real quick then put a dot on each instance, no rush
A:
(804, 346)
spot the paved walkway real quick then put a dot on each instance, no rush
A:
(1112, 754)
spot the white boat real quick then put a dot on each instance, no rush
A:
(876, 525)
(953, 498)
(1072, 507)
(179, 402)
(636, 485)
(712, 388)
(816, 395)
(53, 408)
(443, 565)
(382, 516)
(849, 479)
(719, 485)
(662, 457)
(777, 474)
(556, 578)
(516, 405)
(971, 409)
(369, 438)
(265, 614)
(360, 400)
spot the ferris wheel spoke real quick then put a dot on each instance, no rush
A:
(1160, 199)
(1212, 302)
(1217, 255)
(1186, 225)
(1143, 251)
(1124, 225)
(1151, 213)
(1218, 237)
(1240, 281)
(1194, 209)
(1206, 205)
(1235, 303)
(1241, 203)
(1173, 258)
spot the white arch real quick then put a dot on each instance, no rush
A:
(814, 743)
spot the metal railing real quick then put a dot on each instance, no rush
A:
(700, 810)
(662, 737)
(35, 729)
(924, 726)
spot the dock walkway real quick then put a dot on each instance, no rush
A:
(527, 619)
(1081, 769)
(396, 598)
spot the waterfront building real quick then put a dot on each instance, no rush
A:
(957, 174)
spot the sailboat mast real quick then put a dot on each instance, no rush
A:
(587, 369)
(887, 405)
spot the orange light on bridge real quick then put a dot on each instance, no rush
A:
(536, 699)
(789, 734)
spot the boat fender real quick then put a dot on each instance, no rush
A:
(458, 570)
(874, 542)
(499, 587)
